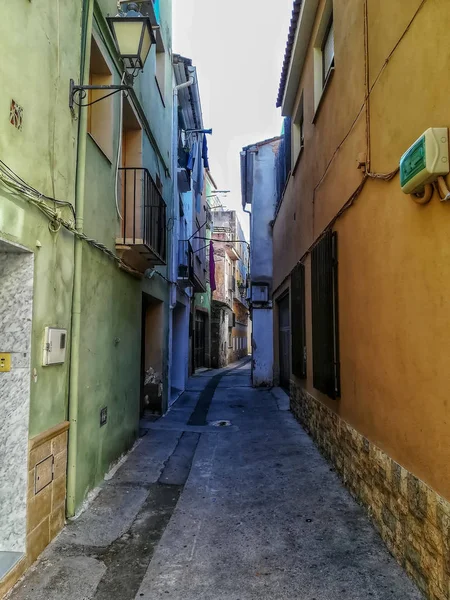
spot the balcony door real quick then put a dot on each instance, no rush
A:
(131, 176)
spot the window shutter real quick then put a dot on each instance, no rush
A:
(298, 321)
(325, 318)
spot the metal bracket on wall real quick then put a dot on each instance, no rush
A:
(83, 89)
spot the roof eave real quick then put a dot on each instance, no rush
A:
(304, 27)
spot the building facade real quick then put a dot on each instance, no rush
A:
(360, 268)
(85, 197)
(259, 192)
(38, 150)
(191, 294)
(230, 315)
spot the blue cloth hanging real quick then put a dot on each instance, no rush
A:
(205, 153)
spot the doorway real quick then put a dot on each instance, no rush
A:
(16, 304)
(285, 341)
(180, 342)
(200, 340)
(152, 346)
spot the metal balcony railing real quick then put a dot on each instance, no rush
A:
(144, 214)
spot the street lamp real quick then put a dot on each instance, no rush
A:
(133, 35)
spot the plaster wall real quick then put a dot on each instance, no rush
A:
(394, 269)
(262, 347)
(43, 153)
(263, 209)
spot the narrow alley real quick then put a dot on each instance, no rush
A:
(224, 498)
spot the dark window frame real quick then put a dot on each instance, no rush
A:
(325, 316)
(326, 73)
(298, 322)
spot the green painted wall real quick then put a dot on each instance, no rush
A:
(109, 368)
(43, 153)
(111, 303)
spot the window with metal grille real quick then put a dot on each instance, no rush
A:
(325, 316)
(298, 321)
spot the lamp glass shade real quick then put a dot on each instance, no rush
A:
(134, 38)
(146, 44)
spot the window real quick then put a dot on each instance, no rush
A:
(100, 114)
(323, 53)
(298, 321)
(230, 343)
(328, 53)
(298, 133)
(325, 316)
(160, 73)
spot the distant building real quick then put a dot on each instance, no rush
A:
(230, 314)
(259, 191)
(191, 296)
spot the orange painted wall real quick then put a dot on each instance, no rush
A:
(394, 255)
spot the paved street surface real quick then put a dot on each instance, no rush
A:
(235, 511)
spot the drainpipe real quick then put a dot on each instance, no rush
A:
(176, 222)
(88, 12)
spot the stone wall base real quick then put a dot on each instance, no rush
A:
(412, 519)
(47, 465)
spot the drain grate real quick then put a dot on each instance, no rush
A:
(220, 423)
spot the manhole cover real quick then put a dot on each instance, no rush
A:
(220, 423)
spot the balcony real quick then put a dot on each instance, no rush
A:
(142, 240)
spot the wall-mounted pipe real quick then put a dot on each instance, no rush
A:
(88, 14)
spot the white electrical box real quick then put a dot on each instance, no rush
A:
(425, 161)
(55, 342)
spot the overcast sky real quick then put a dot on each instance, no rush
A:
(238, 48)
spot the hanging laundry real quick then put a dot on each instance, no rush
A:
(205, 153)
(192, 156)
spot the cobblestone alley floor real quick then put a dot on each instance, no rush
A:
(229, 511)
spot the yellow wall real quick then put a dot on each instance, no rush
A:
(394, 255)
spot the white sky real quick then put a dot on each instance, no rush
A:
(238, 48)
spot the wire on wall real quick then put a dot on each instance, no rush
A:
(368, 174)
(18, 187)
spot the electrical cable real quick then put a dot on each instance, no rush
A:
(37, 199)
(56, 222)
(119, 150)
(26, 187)
(196, 231)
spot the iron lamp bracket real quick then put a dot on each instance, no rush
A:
(83, 89)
